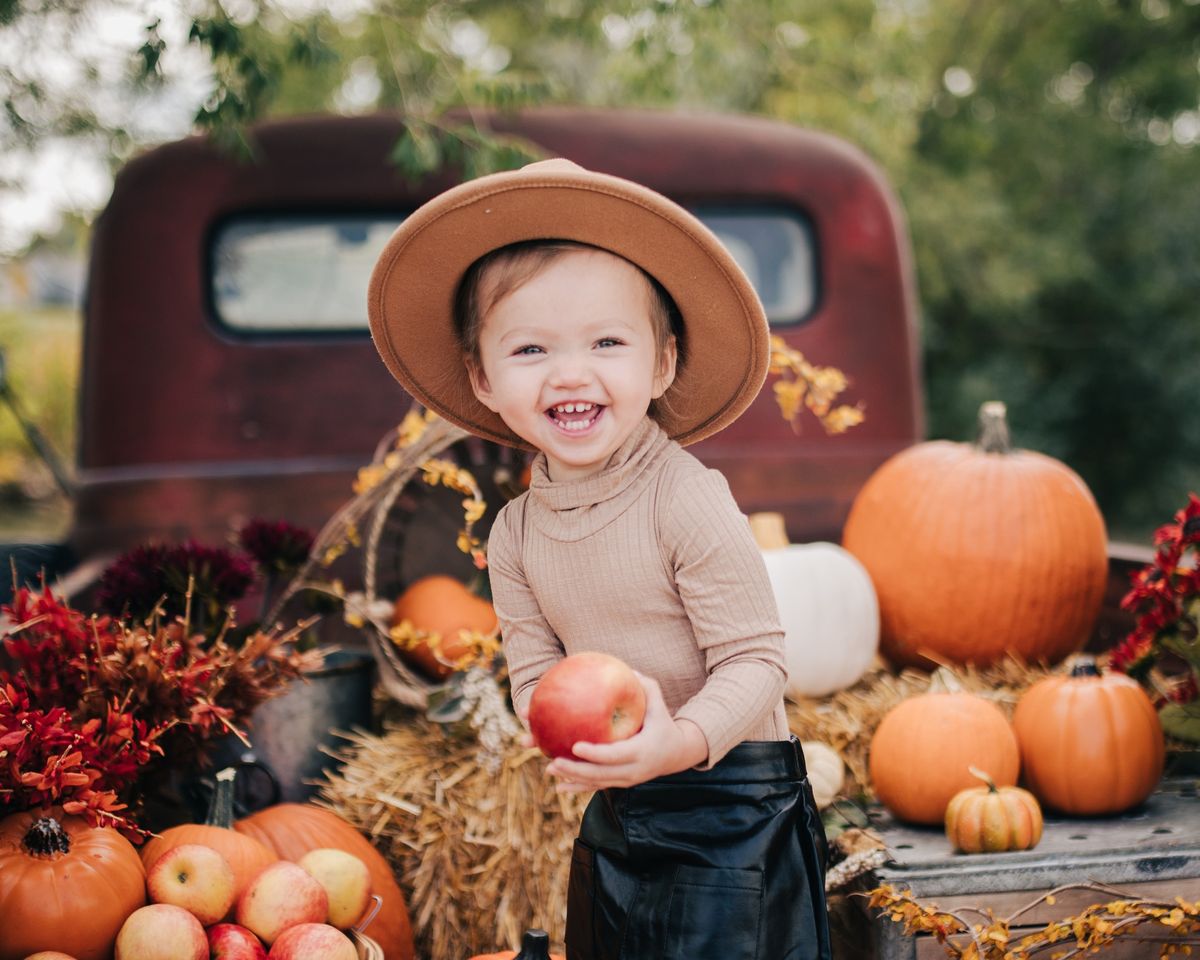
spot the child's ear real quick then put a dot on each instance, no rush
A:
(666, 369)
(479, 383)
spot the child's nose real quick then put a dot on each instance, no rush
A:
(570, 371)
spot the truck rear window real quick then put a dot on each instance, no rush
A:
(277, 274)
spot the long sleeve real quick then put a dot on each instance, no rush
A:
(530, 645)
(723, 585)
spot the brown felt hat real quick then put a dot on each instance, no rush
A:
(413, 287)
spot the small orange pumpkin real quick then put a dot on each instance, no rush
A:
(991, 819)
(978, 551)
(923, 749)
(535, 945)
(443, 606)
(293, 829)
(64, 885)
(245, 854)
(1091, 743)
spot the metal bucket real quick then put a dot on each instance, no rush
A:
(292, 733)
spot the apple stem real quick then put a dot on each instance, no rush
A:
(220, 809)
(46, 838)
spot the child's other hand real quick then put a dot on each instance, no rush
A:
(663, 745)
(526, 739)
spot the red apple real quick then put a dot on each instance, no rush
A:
(313, 941)
(282, 895)
(195, 877)
(587, 696)
(161, 931)
(347, 882)
(228, 941)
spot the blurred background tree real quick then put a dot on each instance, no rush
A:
(1046, 153)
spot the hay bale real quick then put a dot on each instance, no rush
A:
(482, 854)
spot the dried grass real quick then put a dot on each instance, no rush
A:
(482, 856)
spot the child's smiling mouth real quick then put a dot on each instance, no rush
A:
(574, 416)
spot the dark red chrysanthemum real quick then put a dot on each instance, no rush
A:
(139, 580)
(1134, 656)
(276, 545)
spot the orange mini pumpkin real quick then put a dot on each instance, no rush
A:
(923, 749)
(991, 819)
(64, 885)
(443, 606)
(535, 945)
(978, 551)
(1091, 743)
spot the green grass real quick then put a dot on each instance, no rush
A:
(42, 358)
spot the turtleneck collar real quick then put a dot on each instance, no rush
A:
(570, 510)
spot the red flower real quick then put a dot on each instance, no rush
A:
(1134, 656)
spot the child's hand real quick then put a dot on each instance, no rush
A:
(662, 746)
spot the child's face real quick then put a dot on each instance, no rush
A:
(569, 360)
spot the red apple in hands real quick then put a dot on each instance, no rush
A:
(228, 941)
(313, 941)
(282, 895)
(347, 883)
(161, 931)
(587, 696)
(195, 877)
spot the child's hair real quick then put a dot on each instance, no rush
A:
(511, 267)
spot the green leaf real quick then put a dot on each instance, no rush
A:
(1182, 720)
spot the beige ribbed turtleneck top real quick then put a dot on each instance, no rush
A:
(649, 560)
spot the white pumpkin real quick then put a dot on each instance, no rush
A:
(830, 616)
(826, 771)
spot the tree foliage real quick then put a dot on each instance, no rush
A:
(1045, 152)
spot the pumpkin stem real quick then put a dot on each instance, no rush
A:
(46, 838)
(976, 772)
(220, 808)
(1084, 665)
(535, 945)
(993, 428)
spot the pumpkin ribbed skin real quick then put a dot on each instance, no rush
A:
(923, 748)
(992, 819)
(293, 829)
(977, 554)
(442, 605)
(73, 901)
(1090, 744)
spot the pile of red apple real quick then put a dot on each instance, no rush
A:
(297, 911)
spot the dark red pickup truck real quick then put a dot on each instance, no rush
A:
(228, 370)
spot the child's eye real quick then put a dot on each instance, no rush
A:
(608, 342)
(528, 350)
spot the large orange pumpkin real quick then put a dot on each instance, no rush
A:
(293, 829)
(923, 749)
(977, 551)
(1091, 743)
(64, 885)
(245, 854)
(443, 606)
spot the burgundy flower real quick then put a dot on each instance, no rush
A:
(135, 584)
(276, 546)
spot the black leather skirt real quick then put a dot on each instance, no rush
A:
(720, 864)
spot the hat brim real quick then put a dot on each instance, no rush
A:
(414, 282)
